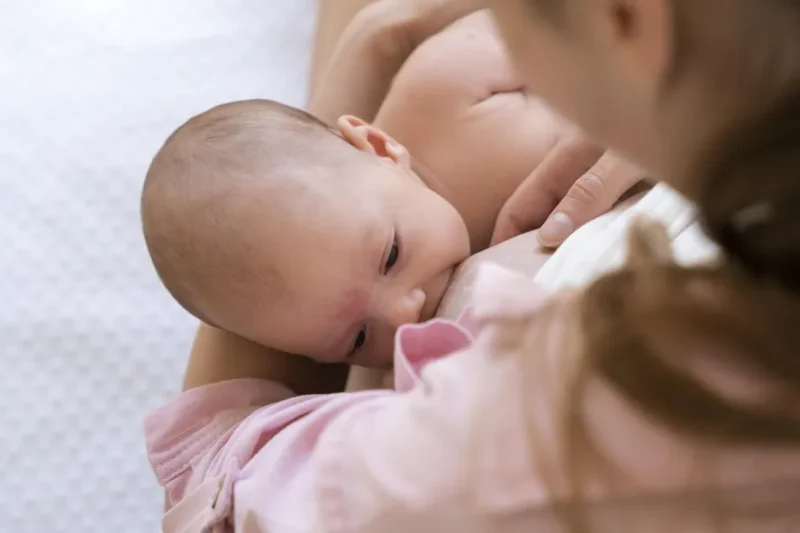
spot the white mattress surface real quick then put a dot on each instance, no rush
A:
(89, 340)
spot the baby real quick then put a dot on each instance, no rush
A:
(321, 241)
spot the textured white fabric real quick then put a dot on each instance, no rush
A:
(90, 341)
(600, 246)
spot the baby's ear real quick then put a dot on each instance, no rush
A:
(368, 138)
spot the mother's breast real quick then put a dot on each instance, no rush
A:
(522, 254)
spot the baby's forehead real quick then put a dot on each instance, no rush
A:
(327, 242)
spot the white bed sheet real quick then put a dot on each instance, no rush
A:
(90, 341)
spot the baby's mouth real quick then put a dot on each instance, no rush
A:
(435, 295)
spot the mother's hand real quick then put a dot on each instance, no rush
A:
(577, 182)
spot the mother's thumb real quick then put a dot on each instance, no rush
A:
(588, 198)
(591, 196)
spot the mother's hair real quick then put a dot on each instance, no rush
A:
(648, 327)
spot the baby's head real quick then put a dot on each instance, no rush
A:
(263, 221)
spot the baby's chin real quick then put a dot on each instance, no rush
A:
(376, 361)
(362, 378)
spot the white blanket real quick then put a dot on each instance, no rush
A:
(90, 341)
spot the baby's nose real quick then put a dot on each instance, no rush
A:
(406, 308)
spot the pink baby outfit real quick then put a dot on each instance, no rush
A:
(470, 442)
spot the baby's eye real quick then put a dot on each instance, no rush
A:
(361, 338)
(392, 258)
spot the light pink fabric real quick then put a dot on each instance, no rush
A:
(471, 441)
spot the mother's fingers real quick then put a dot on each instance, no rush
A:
(534, 200)
(590, 196)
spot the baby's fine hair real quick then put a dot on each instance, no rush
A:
(206, 181)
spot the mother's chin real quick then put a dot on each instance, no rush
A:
(522, 254)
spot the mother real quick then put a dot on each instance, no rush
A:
(661, 398)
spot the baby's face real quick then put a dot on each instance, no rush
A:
(377, 253)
